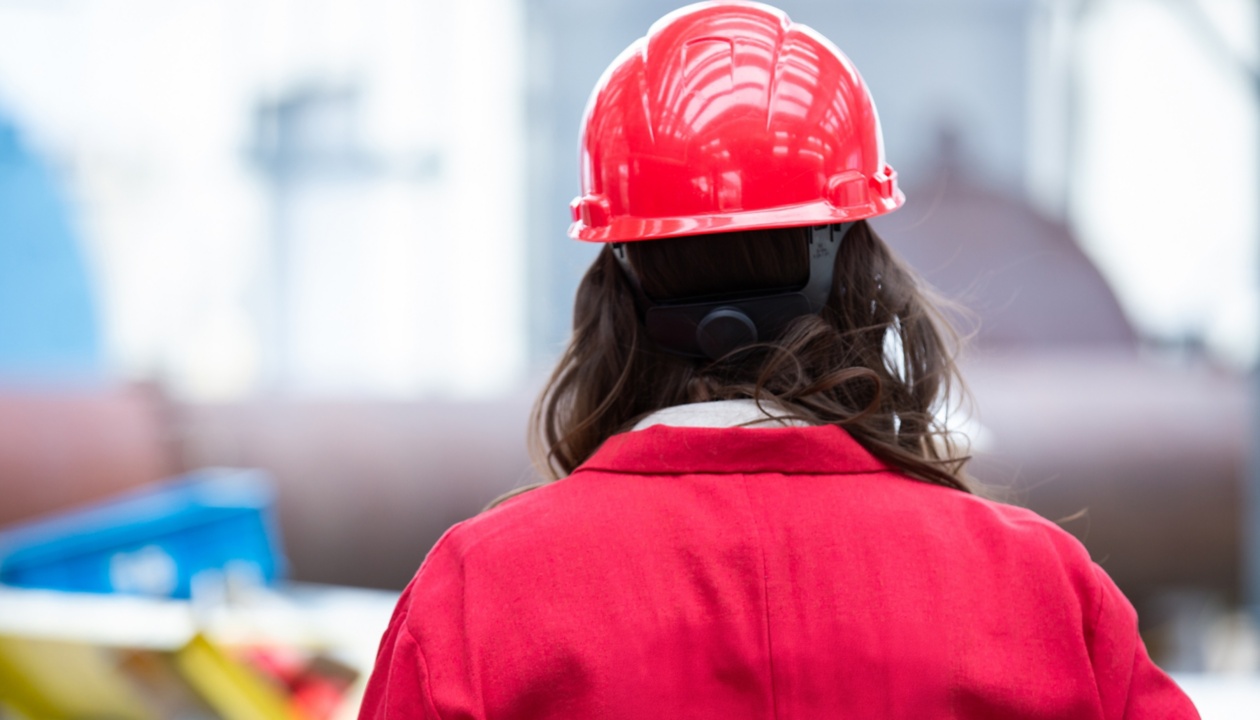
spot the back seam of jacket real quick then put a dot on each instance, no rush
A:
(765, 596)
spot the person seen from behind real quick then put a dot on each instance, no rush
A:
(752, 508)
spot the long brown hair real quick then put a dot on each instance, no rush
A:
(878, 361)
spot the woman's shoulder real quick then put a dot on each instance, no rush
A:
(579, 509)
(517, 528)
(588, 509)
(990, 520)
(978, 535)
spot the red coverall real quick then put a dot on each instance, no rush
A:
(761, 573)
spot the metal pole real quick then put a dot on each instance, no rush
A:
(1251, 516)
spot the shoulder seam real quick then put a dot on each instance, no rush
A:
(406, 623)
(424, 664)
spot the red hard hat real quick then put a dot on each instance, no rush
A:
(729, 116)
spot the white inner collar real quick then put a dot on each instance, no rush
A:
(721, 413)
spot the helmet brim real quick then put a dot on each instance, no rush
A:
(631, 229)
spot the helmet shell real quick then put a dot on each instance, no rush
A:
(729, 116)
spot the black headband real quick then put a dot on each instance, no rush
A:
(715, 327)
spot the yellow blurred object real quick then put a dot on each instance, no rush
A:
(75, 656)
(55, 679)
(233, 690)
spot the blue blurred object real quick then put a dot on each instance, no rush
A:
(154, 541)
(48, 318)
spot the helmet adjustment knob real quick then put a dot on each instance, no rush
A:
(724, 329)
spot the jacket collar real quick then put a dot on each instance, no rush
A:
(666, 450)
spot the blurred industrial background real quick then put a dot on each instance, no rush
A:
(326, 239)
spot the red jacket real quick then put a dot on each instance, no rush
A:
(761, 573)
